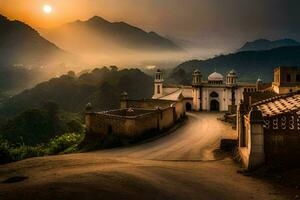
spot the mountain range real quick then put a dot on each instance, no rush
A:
(99, 35)
(264, 44)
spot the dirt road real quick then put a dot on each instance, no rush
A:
(196, 140)
(180, 165)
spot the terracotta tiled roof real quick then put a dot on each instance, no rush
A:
(280, 104)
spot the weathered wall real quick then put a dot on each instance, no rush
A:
(276, 140)
(128, 125)
(101, 124)
(167, 118)
(282, 138)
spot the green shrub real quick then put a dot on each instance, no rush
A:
(66, 143)
(24, 151)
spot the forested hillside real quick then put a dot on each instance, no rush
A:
(101, 87)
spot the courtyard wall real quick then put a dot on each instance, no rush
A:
(140, 119)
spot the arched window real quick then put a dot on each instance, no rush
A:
(214, 95)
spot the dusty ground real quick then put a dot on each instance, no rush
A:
(181, 165)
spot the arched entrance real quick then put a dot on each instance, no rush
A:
(188, 106)
(214, 105)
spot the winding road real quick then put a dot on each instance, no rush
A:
(180, 165)
(196, 140)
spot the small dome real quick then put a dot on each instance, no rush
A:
(197, 71)
(232, 73)
(259, 80)
(215, 77)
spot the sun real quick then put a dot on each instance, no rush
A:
(47, 9)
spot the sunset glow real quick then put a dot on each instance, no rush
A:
(47, 9)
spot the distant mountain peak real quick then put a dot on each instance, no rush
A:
(26, 45)
(97, 33)
(265, 44)
(3, 17)
(97, 19)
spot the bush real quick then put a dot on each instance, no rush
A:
(67, 143)
(23, 151)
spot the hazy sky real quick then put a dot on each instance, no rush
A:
(207, 21)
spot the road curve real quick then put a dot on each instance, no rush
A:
(195, 140)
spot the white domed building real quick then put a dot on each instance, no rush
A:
(214, 94)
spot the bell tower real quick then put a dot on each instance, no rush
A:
(197, 90)
(231, 78)
(231, 82)
(158, 84)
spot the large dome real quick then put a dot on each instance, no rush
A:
(215, 77)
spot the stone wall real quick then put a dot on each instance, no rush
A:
(135, 122)
(282, 138)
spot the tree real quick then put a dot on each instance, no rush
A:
(113, 68)
(72, 74)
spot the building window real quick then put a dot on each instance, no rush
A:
(288, 78)
(158, 89)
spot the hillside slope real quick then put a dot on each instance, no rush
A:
(249, 64)
(22, 45)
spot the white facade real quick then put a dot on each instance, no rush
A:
(211, 95)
